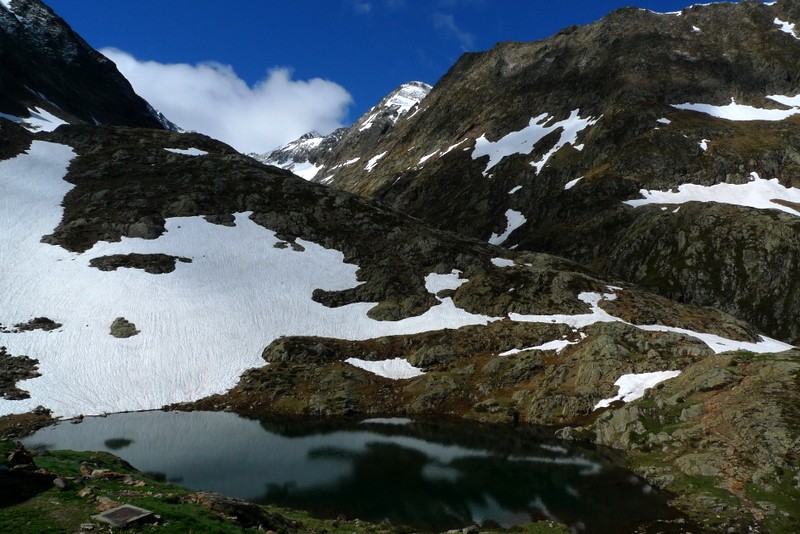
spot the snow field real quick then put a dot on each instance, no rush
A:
(200, 326)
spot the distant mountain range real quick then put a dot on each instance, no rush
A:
(596, 232)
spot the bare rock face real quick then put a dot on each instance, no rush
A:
(47, 65)
(12, 370)
(122, 328)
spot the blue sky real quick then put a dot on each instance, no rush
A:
(363, 48)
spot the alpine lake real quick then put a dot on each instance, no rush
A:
(430, 474)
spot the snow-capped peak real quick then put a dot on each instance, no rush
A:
(407, 96)
(395, 105)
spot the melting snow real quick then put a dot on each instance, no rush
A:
(787, 27)
(572, 183)
(758, 193)
(514, 220)
(664, 120)
(741, 112)
(200, 326)
(187, 151)
(368, 123)
(426, 157)
(40, 120)
(557, 345)
(633, 386)
(523, 141)
(374, 161)
(502, 262)
(704, 144)
(396, 369)
(306, 170)
(514, 190)
(720, 344)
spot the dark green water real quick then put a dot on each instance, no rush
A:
(432, 475)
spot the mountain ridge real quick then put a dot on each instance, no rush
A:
(630, 78)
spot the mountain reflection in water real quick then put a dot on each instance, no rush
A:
(430, 474)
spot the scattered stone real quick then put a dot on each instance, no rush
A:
(60, 483)
(149, 263)
(39, 323)
(244, 513)
(86, 527)
(86, 492)
(122, 328)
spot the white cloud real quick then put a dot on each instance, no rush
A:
(210, 98)
(447, 23)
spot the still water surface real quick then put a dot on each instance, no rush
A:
(433, 475)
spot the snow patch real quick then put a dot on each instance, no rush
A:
(187, 151)
(523, 141)
(395, 369)
(572, 183)
(426, 157)
(757, 193)
(439, 282)
(306, 170)
(704, 145)
(40, 120)
(514, 220)
(633, 386)
(374, 161)
(514, 189)
(502, 262)
(664, 120)
(720, 344)
(740, 112)
(786, 27)
(557, 345)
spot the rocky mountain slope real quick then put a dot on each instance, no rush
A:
(48, 72)
(144, 267)
(572, 144)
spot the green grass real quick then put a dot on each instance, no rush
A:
(50, 510)
(786, 498)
